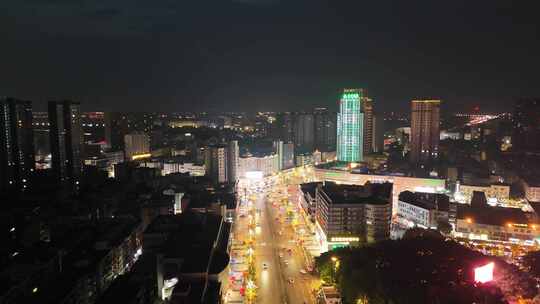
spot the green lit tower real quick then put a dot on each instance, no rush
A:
(350, 122)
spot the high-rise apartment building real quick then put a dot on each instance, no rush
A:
(66, 140)
(136, 145)
(367, 110)
(304, 134)
(424, 130)
(325, 130)
(378, 134)
(117, 125)
(16, 144)
(284, 127)
(233, 155)
(350, 124)
(215, 162)
(526, 124)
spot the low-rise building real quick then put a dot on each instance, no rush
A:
(266, 164)
(425, 210)
(489, 223)
(494, 192)
(349, 214)
(531, 187)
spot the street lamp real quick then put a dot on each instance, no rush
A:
(335, 265)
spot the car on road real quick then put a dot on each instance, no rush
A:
(281, 255)
(291, 281)
(265, 266)
(286, 262)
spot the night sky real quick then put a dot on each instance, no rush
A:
(176, 55)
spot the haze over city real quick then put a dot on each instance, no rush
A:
(268, 55)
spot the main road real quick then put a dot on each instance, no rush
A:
(284, 280)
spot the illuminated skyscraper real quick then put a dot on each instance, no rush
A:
(16, 144)
(350, 124)
(424, 130)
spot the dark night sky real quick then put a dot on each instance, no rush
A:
(268, 54)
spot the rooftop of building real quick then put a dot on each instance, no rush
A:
(310, 188)
(532, 181)
(430, 201)
(192, 237)
(496, 216)
(373, 194)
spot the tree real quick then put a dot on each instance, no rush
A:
(444, 227)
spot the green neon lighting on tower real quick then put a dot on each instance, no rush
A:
(350, 123)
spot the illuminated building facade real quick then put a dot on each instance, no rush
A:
(401, 183)
(424, 139)
(349, 214)
(66, 138)
(135, 145)
(16, 144)
(350, 125)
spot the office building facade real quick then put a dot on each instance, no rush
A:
(425, 120)
(350, 124)
(66, 140)
(136, 145)
(16, 144)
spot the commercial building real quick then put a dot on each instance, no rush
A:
(306, 197)
(424, 210)
(531, 187)
(425, 120)
(171, 166)
(305, 159)
(493, 192)
(16, 144)
(136, 146)
(304, 133)
(66, 138)
(325, 129)
(484, 222)
(106, 161)
(265, 164)
(349, 214)
(400, 183)
(350, 124)
(526, 134)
